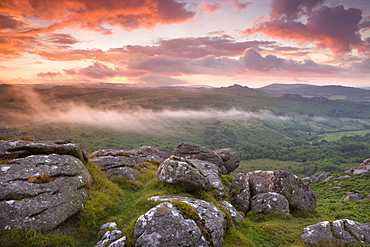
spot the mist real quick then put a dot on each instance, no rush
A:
(36, 110)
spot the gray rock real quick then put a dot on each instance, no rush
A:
(307, 180)
(41, 191)
(321, 177)
(165, 225)
(340, 231)
(240, 193)
(191, 174)
(353, 196)
(109, 225)
(271, 202)
(328, 178)
(236, 216)
(123, 165)
(299, 195)
(318, 232)
(110, 237)
(230, 158)
(150, 153)
(211, 219)
(22, 148)
(195, 151)
(118, 243)
(146, 152)
(361, 172)
(342, 177)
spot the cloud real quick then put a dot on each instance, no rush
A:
(255, 61)
(97, 71)
(49, 74)
(335, 28)
(94, 14)
(210, 8)
(240, 5)
(361, 67)
(9, 22)
(159, 80)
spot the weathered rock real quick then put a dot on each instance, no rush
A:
(146, 152)
(321, 177)
(166, 224)
(110, 237)
(318, 232)
(191, 174)
(342, 177)
(109, 225)
(123, 165)
(119, 243)
(41, 191)
(299, 195)
(230, 158)
(150, 153)
(236, 216)
(361, 172)
(270, 202)
(22, 148)
(195, 151)
(340, 231)
(353, 195)
(240, 193)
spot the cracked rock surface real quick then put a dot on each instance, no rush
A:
(341, 231)
(41, 191)
(192, 174)
(167, 225)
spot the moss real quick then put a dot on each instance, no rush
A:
(188, 211)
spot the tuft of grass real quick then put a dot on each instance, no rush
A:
(42, 179)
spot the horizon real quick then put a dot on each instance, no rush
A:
(173, 43)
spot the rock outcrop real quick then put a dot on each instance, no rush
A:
(171, 223)
(20, 148)
(226, 159)
(363, 169)
(120, 164)
(145, 152)
(341, 231)
(270, 202)
(353, 195)
(240, 193)
(297, 193)
(192, 174)
(40, 191)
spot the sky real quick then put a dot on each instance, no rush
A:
(155, 43)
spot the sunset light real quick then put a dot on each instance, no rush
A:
(155, 43)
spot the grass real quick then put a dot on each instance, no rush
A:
(267, 165)
(123, 201)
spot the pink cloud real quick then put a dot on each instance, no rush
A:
(210, 8)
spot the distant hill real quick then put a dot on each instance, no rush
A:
(331, 92)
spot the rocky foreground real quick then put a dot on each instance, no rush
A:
(44, 183)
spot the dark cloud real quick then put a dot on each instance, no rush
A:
(335, 28)
(252, 60)
(61, 38)
(293, 9)
(8, 22)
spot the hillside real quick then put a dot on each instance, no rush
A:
(123, 201)
(331, 92)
